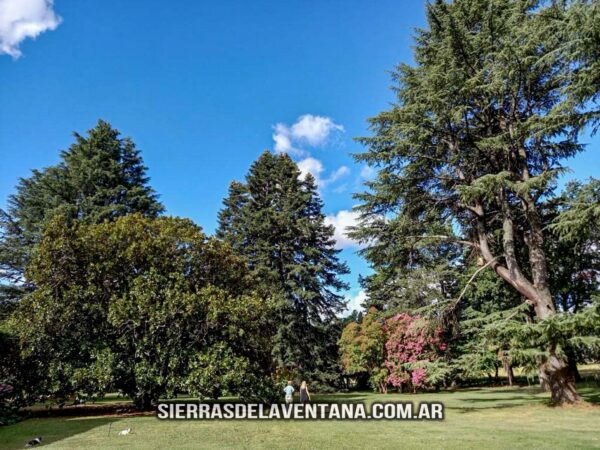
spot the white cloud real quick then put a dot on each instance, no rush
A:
(308, 130)
(353, 302)
(311, 165)
(314, 130)
(315, 168)
(22, 19)
(283, 141)
(341, 221)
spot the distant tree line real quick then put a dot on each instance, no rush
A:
(102, 293)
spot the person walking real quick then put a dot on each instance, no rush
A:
(304, 394)
(289, 392)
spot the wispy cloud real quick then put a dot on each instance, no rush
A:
(308, 130)
(338, 173)
(341, 222)
(367, 172)
(22, 19)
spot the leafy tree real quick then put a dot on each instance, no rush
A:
(485, 297)
(578, 218)
(398, 350)
(574, 218)
(133, 305)
(362, 349)
(11, 378)
(100, 177)
(472, 148)
(275, 220)
(580, 38)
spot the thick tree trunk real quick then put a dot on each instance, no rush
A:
(557, 378)
(510, 375)
(554, 373)
(143, 402)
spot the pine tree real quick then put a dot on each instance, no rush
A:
(474, 145)
(100, 177)
(275, 220)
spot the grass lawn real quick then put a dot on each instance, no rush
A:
(475, 418)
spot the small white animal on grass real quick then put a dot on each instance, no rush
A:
(125, 432)
(34, 441)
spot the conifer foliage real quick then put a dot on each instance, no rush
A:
(474, 144)
(101, 176)
(275, 220)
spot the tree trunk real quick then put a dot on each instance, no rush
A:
(572, 362)
(554, 373)
(507, 368)
(143, 402)
(556, 378)
(509, 373)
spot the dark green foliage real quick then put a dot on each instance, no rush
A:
(580, 38)
(526, 340)
(11, 379)
(100, 177)
(573, 245)
(132, 305)
(275, 220)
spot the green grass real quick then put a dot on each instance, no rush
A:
(475, 418)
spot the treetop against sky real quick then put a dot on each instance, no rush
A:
(204, 87)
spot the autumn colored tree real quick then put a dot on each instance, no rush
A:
(401, 350)
(362, 349)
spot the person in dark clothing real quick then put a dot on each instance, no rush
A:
(304, 394)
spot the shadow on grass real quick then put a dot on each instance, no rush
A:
(17, 435)
(513, 400)
(590, 395)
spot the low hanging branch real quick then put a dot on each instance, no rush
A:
(446, 238)
(471, 280)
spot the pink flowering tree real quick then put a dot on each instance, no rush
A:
(411, 346)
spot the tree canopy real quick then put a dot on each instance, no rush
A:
(473, 146)
(141, 305)
(101, 176)
(275, 220)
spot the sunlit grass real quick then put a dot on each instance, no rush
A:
(475, 418)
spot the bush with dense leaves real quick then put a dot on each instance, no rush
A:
(134, 305)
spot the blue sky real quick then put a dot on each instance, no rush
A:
(204, 87)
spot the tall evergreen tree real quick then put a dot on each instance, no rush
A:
(100, 177)
(474, 144)
(275, 220)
